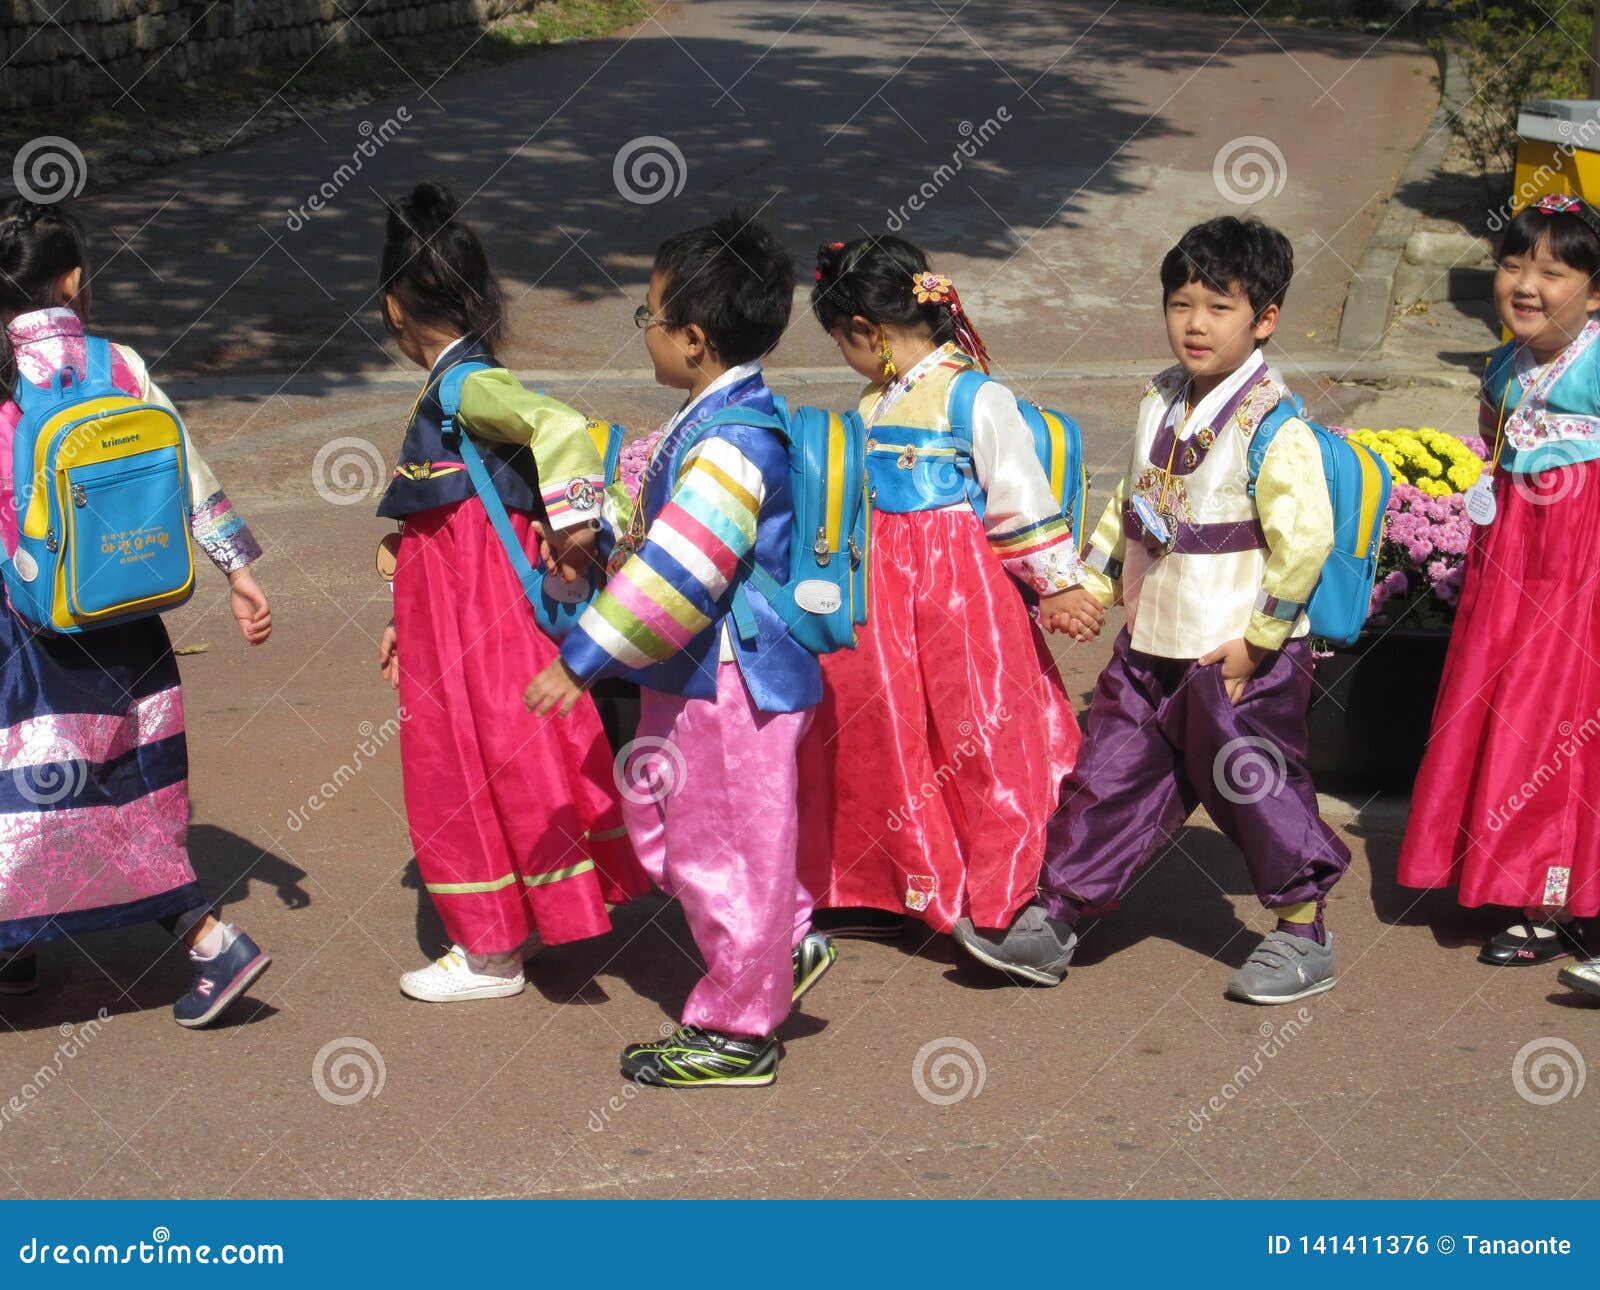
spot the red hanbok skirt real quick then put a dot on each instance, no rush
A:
(936, 756)
(1507, 804)
(514, 817)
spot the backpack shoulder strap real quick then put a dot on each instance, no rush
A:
(1287, 408)
(450, 401)
(963, 403)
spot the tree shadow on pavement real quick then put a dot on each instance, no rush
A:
(829, 126)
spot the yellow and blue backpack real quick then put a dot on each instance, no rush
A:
(102, 502)
(824, 598)
(1057, 442)
(1358, 487)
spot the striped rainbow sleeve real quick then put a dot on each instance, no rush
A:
(670, 590)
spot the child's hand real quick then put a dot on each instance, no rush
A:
(389, 655)
(554, 689)
(569, 553)
(249, 605)
(1074, 611)
(1239, 660)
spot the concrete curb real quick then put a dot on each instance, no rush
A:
(1370, 299)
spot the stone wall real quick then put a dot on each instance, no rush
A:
(54, 51)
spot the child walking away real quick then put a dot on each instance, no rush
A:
(713, 812)
(940, 745)
(93, 763)
(1208, 684)
(1504, 804)
(515, 822)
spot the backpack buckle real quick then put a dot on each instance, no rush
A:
(820, 548)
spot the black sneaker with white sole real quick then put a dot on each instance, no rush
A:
(1534, 944)
(19, 973)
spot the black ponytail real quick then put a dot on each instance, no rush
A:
(872, 278)
(39, 245)
(434, 264)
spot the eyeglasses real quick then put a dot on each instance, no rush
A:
(642, 318)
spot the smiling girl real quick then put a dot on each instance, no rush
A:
(1503, 805)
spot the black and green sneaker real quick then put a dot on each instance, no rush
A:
(812, 957)
(696, 1058)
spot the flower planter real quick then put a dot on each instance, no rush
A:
(1371, 708)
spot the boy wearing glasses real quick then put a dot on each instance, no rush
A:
(711, 809)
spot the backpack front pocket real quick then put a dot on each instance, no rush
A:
(127, 526)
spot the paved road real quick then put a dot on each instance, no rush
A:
(1090, 134)
(1398, 1083)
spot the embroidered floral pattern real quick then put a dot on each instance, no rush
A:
(1532, 423)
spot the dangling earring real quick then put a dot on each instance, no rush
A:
(890, 371)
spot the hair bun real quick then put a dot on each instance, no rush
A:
(432, 205)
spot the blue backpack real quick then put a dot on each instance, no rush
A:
(557, 605)
(1358, 486)
(824, 598)
(1057, 442)
(102, 503)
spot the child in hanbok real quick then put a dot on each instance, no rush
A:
(711, 805)
(518, 838)
(93, 762)
(938, 751)
(1204, 701)
(1504, 805)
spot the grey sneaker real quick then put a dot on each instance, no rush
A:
(1035, 948)
(1581, 976)
(1283, 969)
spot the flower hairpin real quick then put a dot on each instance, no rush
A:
(1559, 203)
(931, 288)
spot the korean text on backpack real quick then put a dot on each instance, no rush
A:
(102, 502)
(1358, 488)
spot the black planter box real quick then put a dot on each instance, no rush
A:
(1371, 708)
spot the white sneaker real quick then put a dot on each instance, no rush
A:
(457, 976)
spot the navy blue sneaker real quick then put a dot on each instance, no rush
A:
(19, 973)
(222, 980)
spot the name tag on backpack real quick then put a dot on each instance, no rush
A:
(818, 597)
